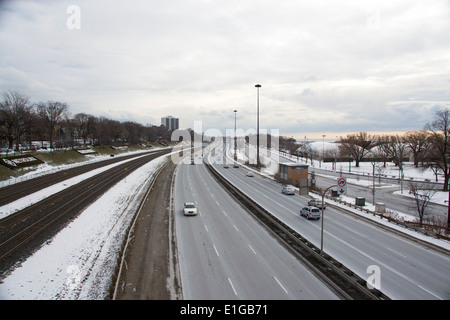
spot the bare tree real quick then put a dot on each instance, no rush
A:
(70, 135)
(104, 131)
(422, 194)
(439, 151)
(357, 146)
(417, 141)
(439, 139)
(82, 129)
(134, 131)
(52, 113)
(394, 148)
(16, 111)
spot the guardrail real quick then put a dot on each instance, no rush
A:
(344, 282)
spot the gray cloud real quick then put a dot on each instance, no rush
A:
(358, 65)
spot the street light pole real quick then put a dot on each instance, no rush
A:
(323, 149)
(257, 124)
(235, 138)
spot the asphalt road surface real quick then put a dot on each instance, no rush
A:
(226, 254)
(408, 269)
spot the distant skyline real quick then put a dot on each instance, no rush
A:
(324, 66)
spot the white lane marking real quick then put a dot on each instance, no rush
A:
(232, 287)
(235, 228)
(224, 213)
(430, 292)
(251, 248)
(206, 228)
(215, 249)
(397, 253)
(280, 284)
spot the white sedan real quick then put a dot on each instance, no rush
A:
(190, 209)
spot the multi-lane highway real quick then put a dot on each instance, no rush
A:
(218, 243)
(225, 254)
(407, 270)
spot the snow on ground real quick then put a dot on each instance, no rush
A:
(79, 261)
(33, 198)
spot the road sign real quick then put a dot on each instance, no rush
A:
(342, 186)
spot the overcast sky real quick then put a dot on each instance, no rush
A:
(325, 67)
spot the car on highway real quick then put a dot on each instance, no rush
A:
(310, 212)
(190, 209)
(316, 203)
(249, 174)
(235, 165)
(288, 189)
(225, 166)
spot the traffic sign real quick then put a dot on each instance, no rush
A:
(342, 186)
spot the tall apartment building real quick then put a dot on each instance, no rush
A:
(170, 122)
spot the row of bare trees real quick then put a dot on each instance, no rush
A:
(429, 148)
(22, 121)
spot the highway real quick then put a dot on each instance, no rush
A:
(408, 270)
(384, 193)
(226, 254)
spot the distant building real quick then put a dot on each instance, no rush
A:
(170, 122)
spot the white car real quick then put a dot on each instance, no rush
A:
(310, 212)
(249, 174)
(189, 209)
(288, 190)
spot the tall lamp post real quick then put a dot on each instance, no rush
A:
(257, 124)
(323, 149)
(235, 138)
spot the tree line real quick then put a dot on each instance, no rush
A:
(22, 121)
(429, 148)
